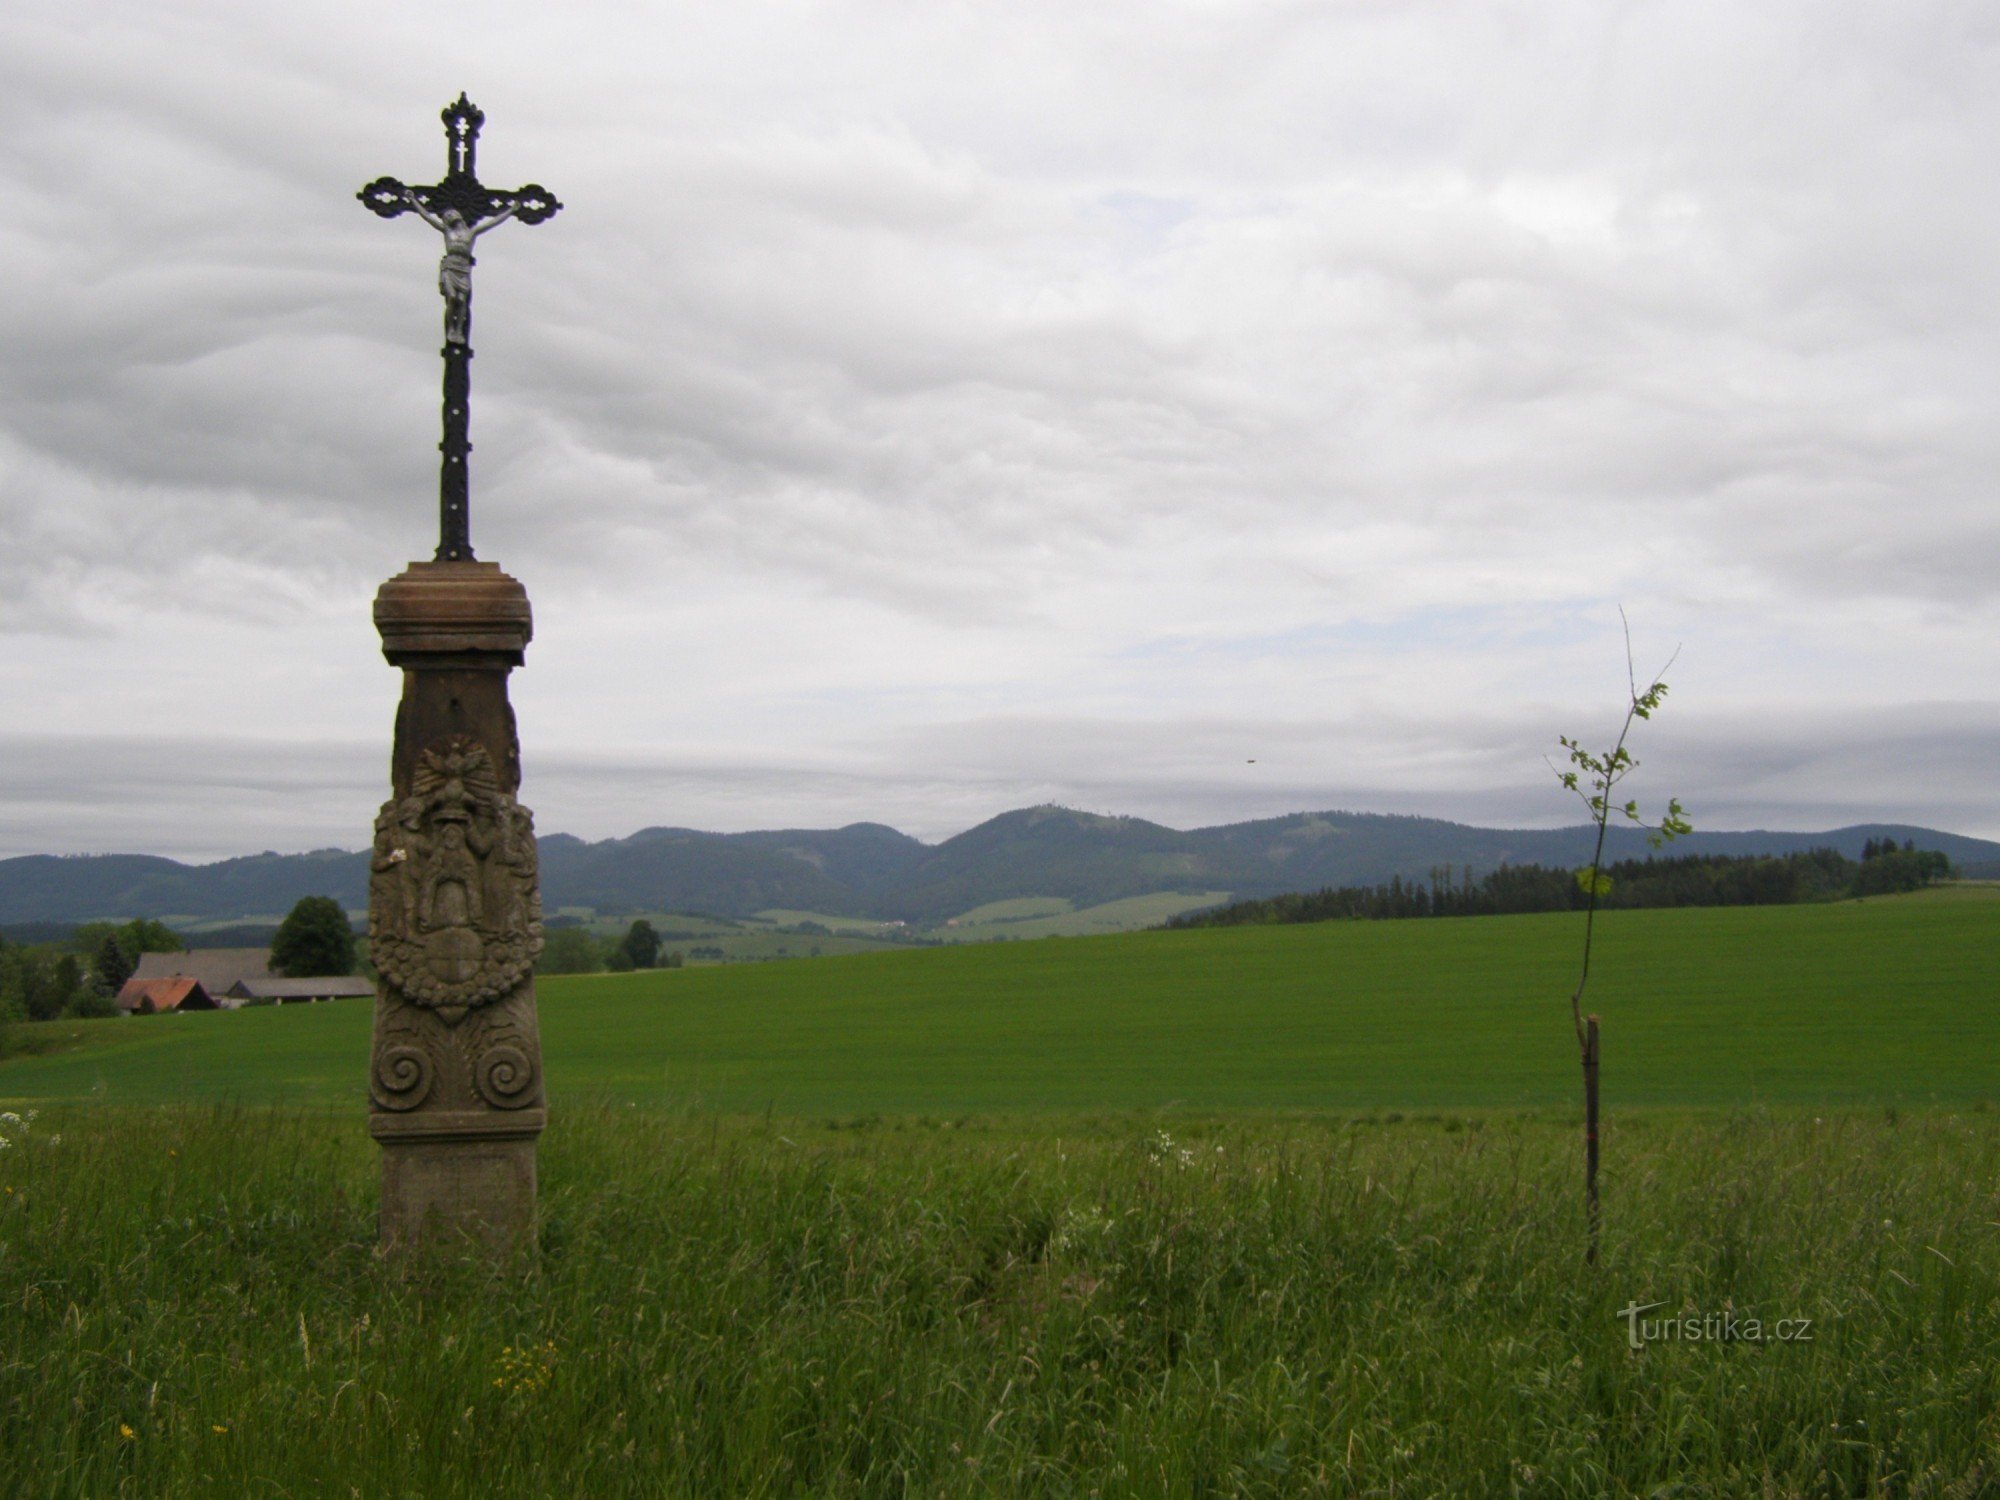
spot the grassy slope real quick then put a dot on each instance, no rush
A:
(785, 917)
(1016, 910)
(1896, 999)
(1023, 917)
(192, 1306)
(753, 946)
(1048, 916)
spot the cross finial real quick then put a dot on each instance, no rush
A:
(462, 119)
(461, 208)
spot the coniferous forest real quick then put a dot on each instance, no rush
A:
(1884, 868)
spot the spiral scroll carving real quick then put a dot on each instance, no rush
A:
(505, 1077)
(403, 1077)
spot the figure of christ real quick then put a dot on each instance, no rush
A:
(451, 893)
(455, 269)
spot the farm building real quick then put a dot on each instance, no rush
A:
(151, 997)
(217, 968)
(296, 991)
(238, 976)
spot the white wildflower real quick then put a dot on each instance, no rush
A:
(1078, 1227)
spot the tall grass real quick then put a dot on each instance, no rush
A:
(191, 1304)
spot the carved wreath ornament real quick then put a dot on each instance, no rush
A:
(454, 903)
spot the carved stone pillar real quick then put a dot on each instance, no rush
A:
(455, 920)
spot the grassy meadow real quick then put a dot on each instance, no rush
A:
(1182, 1305)
(1282, 1211)
(1052, 916)
(772, 933)
(1861, 1002)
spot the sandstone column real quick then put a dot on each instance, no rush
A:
(455, 921)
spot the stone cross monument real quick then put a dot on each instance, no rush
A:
(454, 898)
(461, 208)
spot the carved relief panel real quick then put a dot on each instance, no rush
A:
(455, 924)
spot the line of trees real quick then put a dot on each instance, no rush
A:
(79, 974)
(1684, 880)
(574, 949)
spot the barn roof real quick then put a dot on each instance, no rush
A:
(151, 996)
(216, 968)
(324, 987)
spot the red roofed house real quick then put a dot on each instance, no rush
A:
(242, 976)
(148, 997)
(217, 968)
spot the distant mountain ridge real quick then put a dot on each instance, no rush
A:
(871, 870)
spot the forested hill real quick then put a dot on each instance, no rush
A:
(869, 870)
(1884, 869)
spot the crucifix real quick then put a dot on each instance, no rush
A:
(461, 208)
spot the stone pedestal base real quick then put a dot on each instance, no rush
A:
(452, 1183)
(455, 923)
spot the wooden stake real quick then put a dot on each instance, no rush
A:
(1590, 1136)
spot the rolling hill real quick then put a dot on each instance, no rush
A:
(869, 870)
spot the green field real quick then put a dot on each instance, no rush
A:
(765, 935)
(752, 944)
(848, 926)
(1265, 1212)
(191, 1304)
(1021, 908)
(1051, 916)
(1860, 1002)
(710, 940)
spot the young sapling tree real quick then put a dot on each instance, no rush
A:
(1593, 777)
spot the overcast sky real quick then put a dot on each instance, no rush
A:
(1198, 411)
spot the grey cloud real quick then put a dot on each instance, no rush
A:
(98, 794)
(184, 795)
(966, 355)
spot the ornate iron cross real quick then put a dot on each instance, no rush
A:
(461, 208)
